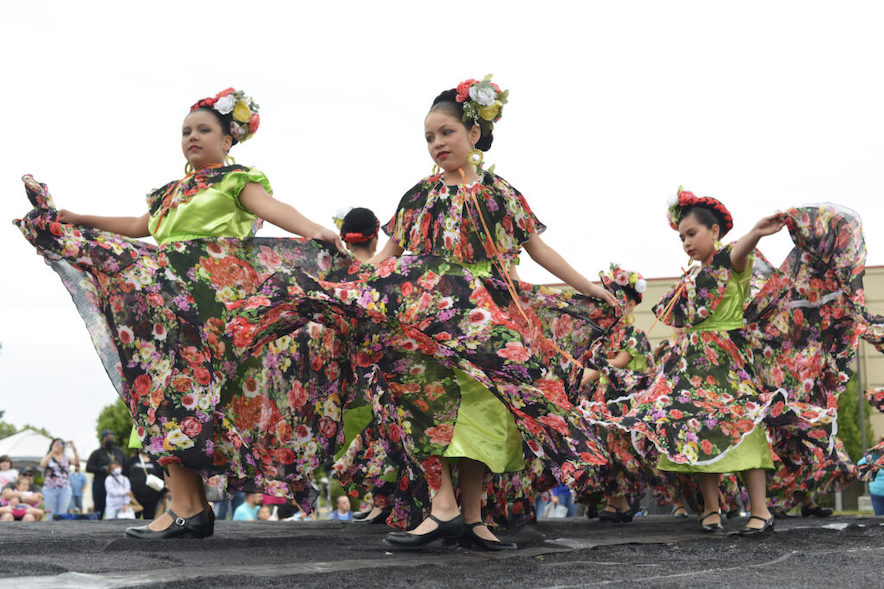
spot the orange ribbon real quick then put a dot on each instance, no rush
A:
(667, 311)
(471, 192)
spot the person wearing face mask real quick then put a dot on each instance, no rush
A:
(118, 491)
(99, 465)
(157, 316)
(761, 355)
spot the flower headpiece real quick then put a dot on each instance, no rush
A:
(482, 102)
(338, 217)
(632, 282)
(686, 200)
(242, 110)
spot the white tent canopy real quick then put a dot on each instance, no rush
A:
(27, 446)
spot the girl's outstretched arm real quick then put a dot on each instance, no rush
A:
(746, 244)
(556, 265)
(591, 375)
(133, 227)
(258, 201)
(391, 249)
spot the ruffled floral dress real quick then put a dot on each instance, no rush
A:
(781, 367)
(157, 318)
(628, 472)
(453, 366)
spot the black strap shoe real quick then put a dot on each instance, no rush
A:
(445, 529)
(470, 538)
(766, 529)
(710, 528)
(380, 518)
(815, 511)
(197, 526)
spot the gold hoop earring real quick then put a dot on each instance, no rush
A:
(475, 157)
(717, 244)
(228, 159)
(188, 169)
(436, 169)
(630, 319)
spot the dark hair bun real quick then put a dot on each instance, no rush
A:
(484, 142)
(360, 226)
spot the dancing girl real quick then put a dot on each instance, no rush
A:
(155, 315)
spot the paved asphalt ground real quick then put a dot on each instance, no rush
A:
(654, 551)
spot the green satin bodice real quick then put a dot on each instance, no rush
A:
(728, 314)
(214, 211)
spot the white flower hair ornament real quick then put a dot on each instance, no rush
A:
(625, 280)
(339, 215)
(482, 102)
(242, 110)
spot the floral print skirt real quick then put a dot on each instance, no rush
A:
(157, 318)
(418, 322)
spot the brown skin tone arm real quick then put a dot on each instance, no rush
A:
(391, 249)
(258, 201)
(746, 244)
(619, 361)
(134, 227)
(556, 265)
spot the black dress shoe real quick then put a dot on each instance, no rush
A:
(782, 514)
(445, 529)
(710, 528)
(815, 511)
(197, 526)
(679, 512)
(616, 516)
(361, 515)
(379, 518)
(469, 538)
(766, 529)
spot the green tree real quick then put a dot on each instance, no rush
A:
(848, 420)
(116, 418)
(7, 429)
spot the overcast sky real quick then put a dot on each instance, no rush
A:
(764, 105)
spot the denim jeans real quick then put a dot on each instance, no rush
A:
(878, 504)
(568, 502)
(76, 503)
(56, 501)
(221, 509)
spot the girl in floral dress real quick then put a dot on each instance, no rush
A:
(363, 468)
(434, 217)
(463, 365)
(745, 368)
(625, 366)
(156, 317)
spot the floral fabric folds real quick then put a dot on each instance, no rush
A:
(412, 321)
(157, 318)
(785, 366)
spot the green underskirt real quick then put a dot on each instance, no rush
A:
(752, 452)
(485, 430)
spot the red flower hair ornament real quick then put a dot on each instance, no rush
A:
(244, 118)
(687, 200)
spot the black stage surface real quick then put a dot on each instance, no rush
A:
(653, 551)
